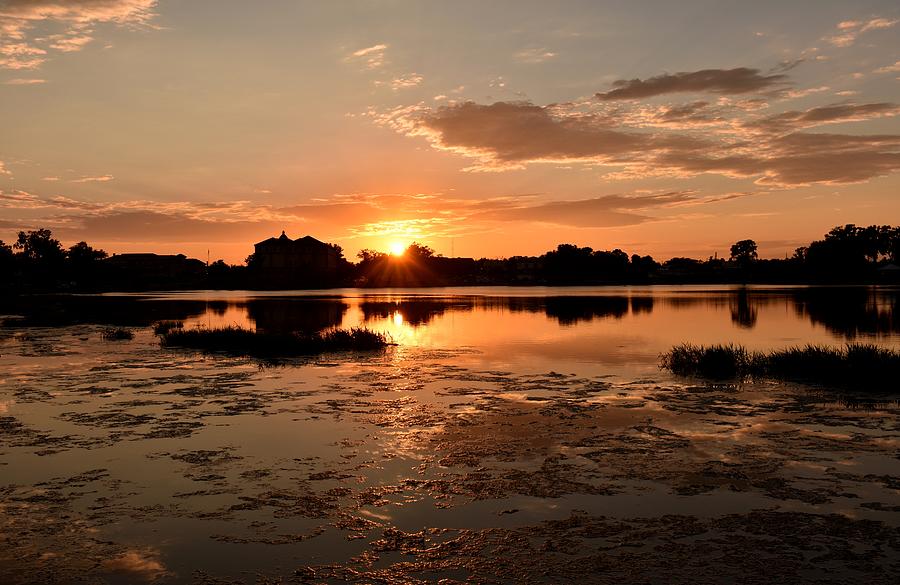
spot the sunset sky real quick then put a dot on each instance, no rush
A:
(478, 128)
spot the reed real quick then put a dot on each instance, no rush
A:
(116, 334)
(240, 341)
(854, 366)
(163, 327)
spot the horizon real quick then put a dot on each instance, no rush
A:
(144, 125)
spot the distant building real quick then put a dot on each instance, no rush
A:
(161, 266)
(154, 271)
(302, 261)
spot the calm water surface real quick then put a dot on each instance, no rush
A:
(512, 435)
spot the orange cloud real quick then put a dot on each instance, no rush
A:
(372, 57)
(18, 17)
(849, 30)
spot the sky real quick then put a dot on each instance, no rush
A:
(481, 129)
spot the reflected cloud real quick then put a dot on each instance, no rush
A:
(143, 564)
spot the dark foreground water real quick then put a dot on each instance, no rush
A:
(512, 435)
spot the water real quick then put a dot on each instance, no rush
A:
(512, 435)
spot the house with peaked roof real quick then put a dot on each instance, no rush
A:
(302, 261)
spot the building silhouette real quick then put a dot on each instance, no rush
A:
(304, 261)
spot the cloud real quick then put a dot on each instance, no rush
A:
(100, 179)
(727, 138)
(504, 134)
(22, 81)
(18, 55)
(144, 565)
(411, 216)
(151, 226)
(70, 43)
(17, 199)
(20, 50)
(889, 68)
(4, 170)
(605, 211)
(740, 80)
(798, 159)
(372, 57)
(534, 55)
(800, 93)
(849, 30)
(832, 114)
(406, 81)
(82, 11)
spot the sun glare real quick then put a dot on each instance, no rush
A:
(397, 249)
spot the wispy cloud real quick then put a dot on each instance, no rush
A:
(849, 30)
(21, 49)
(406, 81)
(895, 68)
(534, 55)
(371, 57)
(98, 179)
(24, 81)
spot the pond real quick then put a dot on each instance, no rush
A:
(512, 435)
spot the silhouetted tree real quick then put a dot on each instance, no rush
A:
(366, 255)
(83, 254)
(7, 264)
(744, 252)
(338, 249)
(40, 246)
(420, 251)
(6, 253)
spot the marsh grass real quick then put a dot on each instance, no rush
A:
(854, 366)
(240, 341)
(163, 327)
(116, 334)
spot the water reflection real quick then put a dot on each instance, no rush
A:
(851, 312)
(844, 313)
(285, 315)
(743, 313)
(413, 312)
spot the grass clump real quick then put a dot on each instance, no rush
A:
(854, 366)
(240, 341)
(116, 334)
(163, 327)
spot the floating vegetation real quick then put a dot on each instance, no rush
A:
(163, 327)
(854, 366)
(240, 341)
(116, 334)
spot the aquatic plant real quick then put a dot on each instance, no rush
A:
(240, 341)
(163, 327)
(854, 366)
(116, 334)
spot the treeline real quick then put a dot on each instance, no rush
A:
(38, 262)
(847, 254)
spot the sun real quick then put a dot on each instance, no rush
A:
(397, 249)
